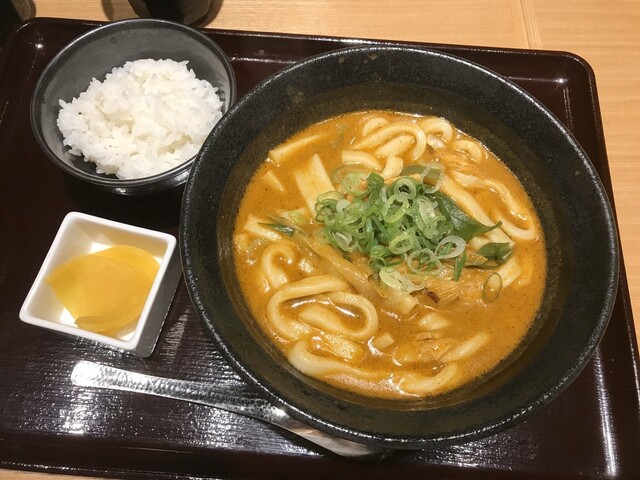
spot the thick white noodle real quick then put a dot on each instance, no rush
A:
(433, 321)
(262, 282)
(515, 232)
(425, 348)
(305, 265)
(358, 157)
(509, 272)
(396, 146)
(342, 347)
(437, 126)
(314, 365)
(253, 225)
(327, 320)
(382, 341)
(312, 181)
(400, 301)
(373, 124)
(473, 149)
(272, 180)
(466, 348)
(439, 131)
(281, 152)
(435, 142)
(383, 134)
(476, 243)
(470, 181)
(414, 383)
(393, 168)
(292, 329)
(275, 275)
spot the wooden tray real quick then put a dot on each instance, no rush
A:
(591, 431)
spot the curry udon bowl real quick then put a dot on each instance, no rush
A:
(579, 229)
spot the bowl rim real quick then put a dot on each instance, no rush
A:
(298, 411)
(180, 171)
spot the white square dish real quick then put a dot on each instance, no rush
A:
(80, 234)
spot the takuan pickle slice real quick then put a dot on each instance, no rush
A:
(106, 290)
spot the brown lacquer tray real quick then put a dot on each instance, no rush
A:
(592, 430)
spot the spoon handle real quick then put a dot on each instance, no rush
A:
(90, 374)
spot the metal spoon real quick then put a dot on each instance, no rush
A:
(90, 374)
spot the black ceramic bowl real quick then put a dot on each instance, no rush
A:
(561, 181)
(95, 54)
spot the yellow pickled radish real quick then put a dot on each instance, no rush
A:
(136, 257)
(105, 291)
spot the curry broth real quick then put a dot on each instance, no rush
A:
(505, 320)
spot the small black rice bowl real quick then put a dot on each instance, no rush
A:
(561, 181)
(96, 53)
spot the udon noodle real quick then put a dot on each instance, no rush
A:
(389, 254)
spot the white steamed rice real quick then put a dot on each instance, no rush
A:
(146, 117)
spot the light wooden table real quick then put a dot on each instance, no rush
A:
(603, 32)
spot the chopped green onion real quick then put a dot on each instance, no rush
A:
(337, 176)
(432, 178)
(444, 250)
(299, 218)
(354, 183)
(496, 253)
(404, 187)
(377, 257)
(285, 226)
(375, 181)
(430, 222)
(492, 287)
(402, 243)
(280, 228)
(461, 260)
(330, 195)
(343, 241)
(463, 225)
(413, 170)
(401, 223)
(423, 261)
(397, 280)
(394, 208)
